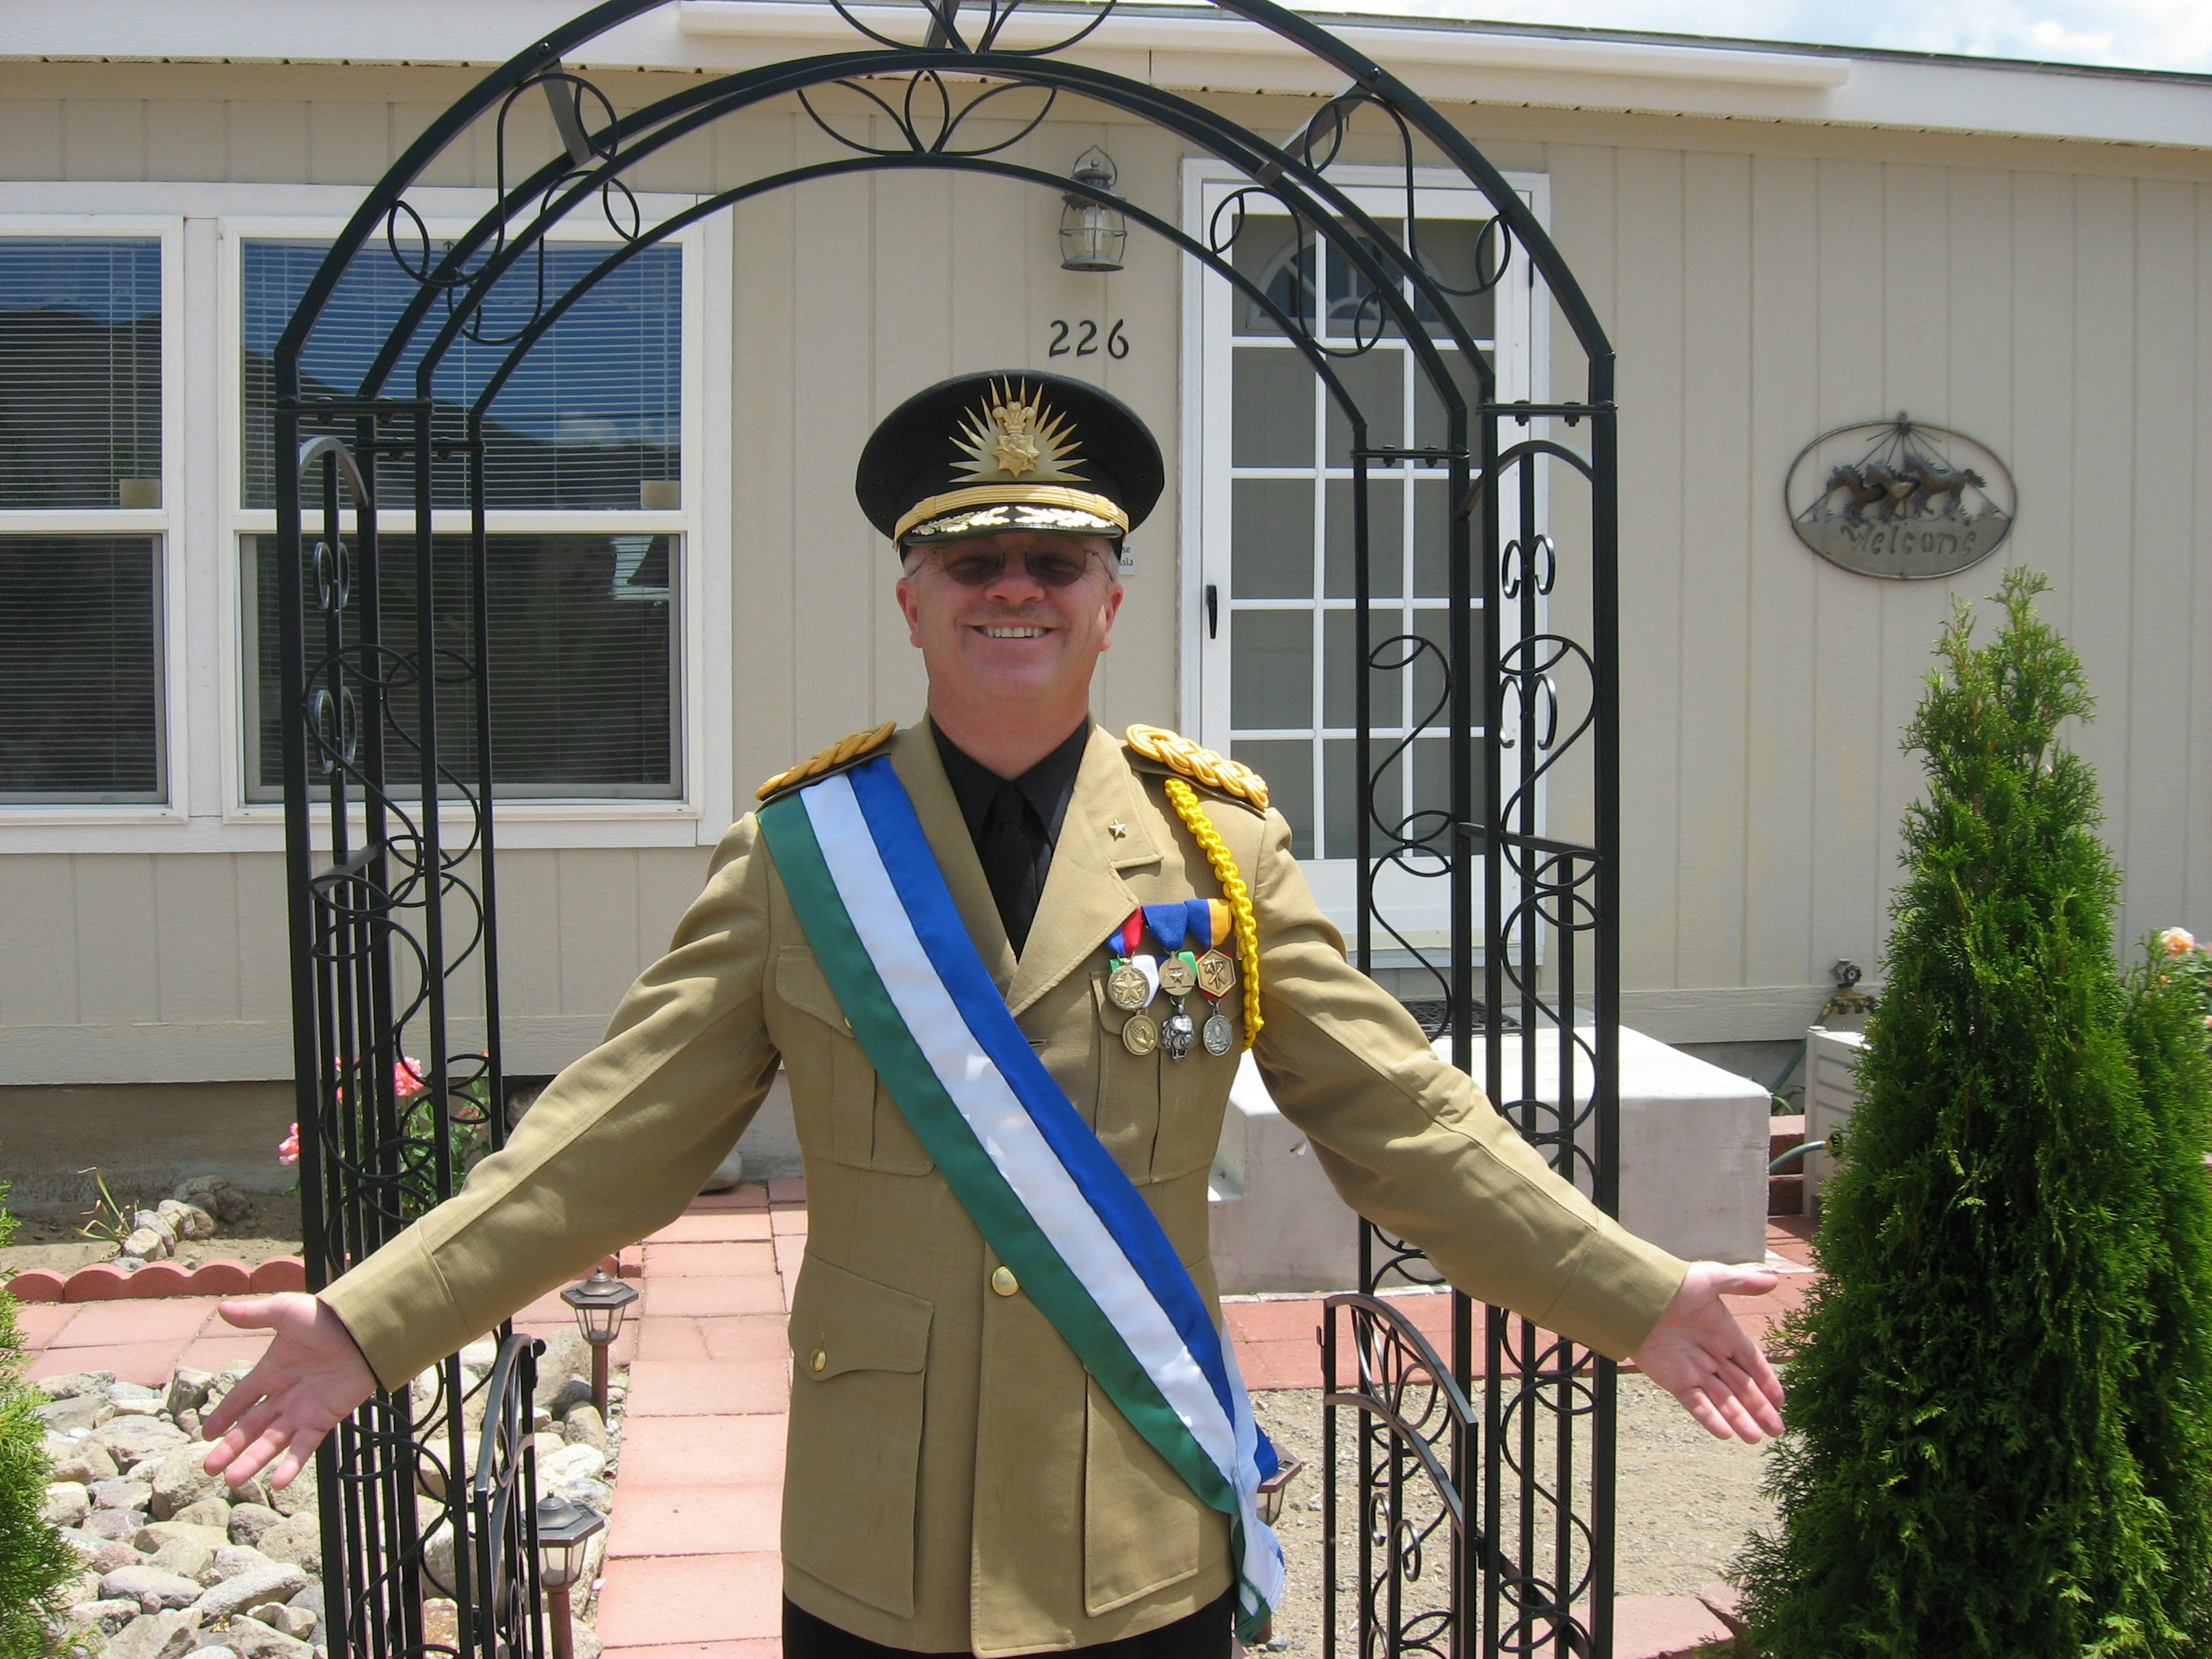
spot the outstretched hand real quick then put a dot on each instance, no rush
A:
(311, 1376)
(1700, 1355)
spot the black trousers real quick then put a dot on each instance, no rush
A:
(1201, 1635)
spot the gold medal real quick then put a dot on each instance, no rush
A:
(1177, 977)
(1217, 974)
(1128, 988)
(1140, 1035)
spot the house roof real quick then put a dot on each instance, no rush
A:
(1194, 48)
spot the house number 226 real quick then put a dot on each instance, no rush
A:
(1083, 333)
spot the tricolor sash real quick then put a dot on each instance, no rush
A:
(1047, 1196)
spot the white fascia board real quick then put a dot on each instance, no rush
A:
(1222, 53)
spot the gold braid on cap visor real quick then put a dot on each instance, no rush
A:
(1011, 494)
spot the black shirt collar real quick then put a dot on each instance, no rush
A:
(1048, 785)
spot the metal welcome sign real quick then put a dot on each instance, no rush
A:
(1899, 499)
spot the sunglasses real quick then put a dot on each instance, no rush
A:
(1049, 567)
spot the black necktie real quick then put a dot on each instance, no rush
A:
(1008, 850)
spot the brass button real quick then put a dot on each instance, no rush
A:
(1004, 1282)
(821, 1358)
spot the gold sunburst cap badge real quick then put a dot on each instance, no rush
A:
(1013, 437)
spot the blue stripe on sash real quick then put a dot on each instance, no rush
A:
(915, 874)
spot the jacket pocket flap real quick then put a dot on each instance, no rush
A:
(800, 981)
(843, 1322)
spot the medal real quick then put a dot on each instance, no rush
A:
(1217, 974)
(1127, 987)
(1141, 1035)
(1178, 975)
(1175, 1033)
(1219, 1034)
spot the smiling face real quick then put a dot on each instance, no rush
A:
(1012, 640)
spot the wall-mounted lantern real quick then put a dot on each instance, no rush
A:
(1092, 234)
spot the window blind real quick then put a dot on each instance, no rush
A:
(79, 686)
(583, 661)
(80, 373)
(592, 418)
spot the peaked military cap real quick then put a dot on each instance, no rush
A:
(1011, 450)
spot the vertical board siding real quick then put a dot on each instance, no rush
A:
(1756, 299)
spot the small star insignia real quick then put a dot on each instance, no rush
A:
(1118, 828)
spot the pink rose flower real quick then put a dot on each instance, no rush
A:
(407, 1078)
(288, 1149)
(2177, 941)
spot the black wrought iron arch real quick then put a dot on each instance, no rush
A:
(371, 1160)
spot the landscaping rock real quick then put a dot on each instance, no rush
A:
(188, 1557)
(299, 1539)
(479, 1357)
(233, 1561)
(85, 1586)
(70, 1384)
(567, 1355)
(163, 1636)
(583, 1641)
(591, 1494)
(298, 1623)
(131, 1440)
(153, 1221)
(85, 1461)
(189, 1421)
(299, 1498)
(180, 1480)
(212, 1512)
(82, 1543)
(438, 1555)
(574, 1391)
(311, 1599)
(138, 1392)
(279, 1581)
(66, 1504)
(155, 1534)
(249, 1521)
(114, 1523)
(441, 1622)
(112, 1552)
(77, 1411)
(571, 1462)
(154, 1588)
(119, 1494)
(251, 1640)
(108, 1616)
(187, 1390)
(126, 1264)
(583, 1426)
(146, 1244)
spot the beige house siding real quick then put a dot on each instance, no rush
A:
(1762, 282)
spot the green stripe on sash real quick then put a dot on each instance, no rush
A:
(999, 1215)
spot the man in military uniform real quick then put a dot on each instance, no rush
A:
(960, 1478)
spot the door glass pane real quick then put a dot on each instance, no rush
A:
(80, 669)
(1431, 538)
(1386, 539)
(592, 417)
(1431, 674)
(1267, 254)
(1271, 669)
(1431, 427)
(1271, 408)
(1345, 793)
(1270, 551)
(1340, 657)
(1456, 254)
(80, 373)
(1288, 768)
(1376, 382)
(581, 629)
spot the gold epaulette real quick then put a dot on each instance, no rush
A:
(1179, 754)
(843, 752)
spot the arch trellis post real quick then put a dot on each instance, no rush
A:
(1468, 1491)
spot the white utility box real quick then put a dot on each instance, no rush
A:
(1692, 1170)
(1832, 1092)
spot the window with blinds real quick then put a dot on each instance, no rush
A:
(592, 419)
(80, 602)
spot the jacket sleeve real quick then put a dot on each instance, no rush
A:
(616, 1146)
(1411, 1143)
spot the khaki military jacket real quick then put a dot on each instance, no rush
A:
(954, 1480)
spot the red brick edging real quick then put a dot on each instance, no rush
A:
(103, 1283)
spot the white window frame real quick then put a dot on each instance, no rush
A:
(205, 699)
(1418, 907)
(163, 523)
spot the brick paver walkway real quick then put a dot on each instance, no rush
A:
(692, 1569)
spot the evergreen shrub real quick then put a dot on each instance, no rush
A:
(35, 1566)
(1996, 1391)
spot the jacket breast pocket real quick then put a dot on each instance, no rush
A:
(860, 1357)
(844, 1112)
(1161, 1118)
